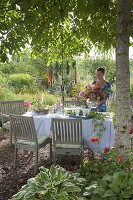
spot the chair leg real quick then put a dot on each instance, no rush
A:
(3, 133)
(36, 161)
(51, 150)
(15, 159)
(10, 138)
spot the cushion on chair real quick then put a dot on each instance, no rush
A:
(6, 125)
(41, 139)
(69, 146)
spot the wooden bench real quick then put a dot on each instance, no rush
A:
(10, 107)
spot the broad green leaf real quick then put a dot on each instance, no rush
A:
(109, 193)
(20, 195)
(124, 182)
(44, 176)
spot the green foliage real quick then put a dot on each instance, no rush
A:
(2, 93)
(26, 64)
(118, 186)
(52, 184)
(131, 88)
(22, 83)
(75, 25)
(6, 92)
(110, 162)
(98, 123)
(90, 66)
(74, 91)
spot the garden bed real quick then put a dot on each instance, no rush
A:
(12, 179)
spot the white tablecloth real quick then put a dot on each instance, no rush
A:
(43, 127)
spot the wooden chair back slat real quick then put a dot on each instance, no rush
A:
(13, 107)
(69, 103)
(23, 127)
(67, 130)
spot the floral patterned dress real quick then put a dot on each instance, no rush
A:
(103, 106)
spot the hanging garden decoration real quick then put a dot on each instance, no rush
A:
(74, 72)
(50, 76)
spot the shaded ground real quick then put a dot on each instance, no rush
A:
(12, 179)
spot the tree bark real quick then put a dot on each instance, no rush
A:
(123, 113)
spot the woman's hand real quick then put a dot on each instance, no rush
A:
(100, 102)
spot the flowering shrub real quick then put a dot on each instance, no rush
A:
(109, 163)
(94, 93)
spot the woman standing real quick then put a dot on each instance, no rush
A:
(104, 87)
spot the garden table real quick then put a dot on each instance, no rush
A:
(43, 127)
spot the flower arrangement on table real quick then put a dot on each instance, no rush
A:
(40, 108)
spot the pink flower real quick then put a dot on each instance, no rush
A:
(106, 149)
(82, 94)
(27, 103)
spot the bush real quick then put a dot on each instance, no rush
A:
(74, 91)
(22, 83)
(117, 186)
(53, 184)
(110, 162)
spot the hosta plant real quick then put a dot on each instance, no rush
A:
(112, 187)
(52, 184)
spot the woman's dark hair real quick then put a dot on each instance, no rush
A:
(101, 69)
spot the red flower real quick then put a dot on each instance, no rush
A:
(94, 139)
(106, 149)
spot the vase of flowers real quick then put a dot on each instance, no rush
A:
(93, 95)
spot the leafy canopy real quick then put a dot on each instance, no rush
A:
(51, 27)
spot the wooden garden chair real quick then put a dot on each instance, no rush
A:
(13, 107)
(26, 137)
(67, 137)
(69, 103)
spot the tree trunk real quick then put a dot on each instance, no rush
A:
(123, 113)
